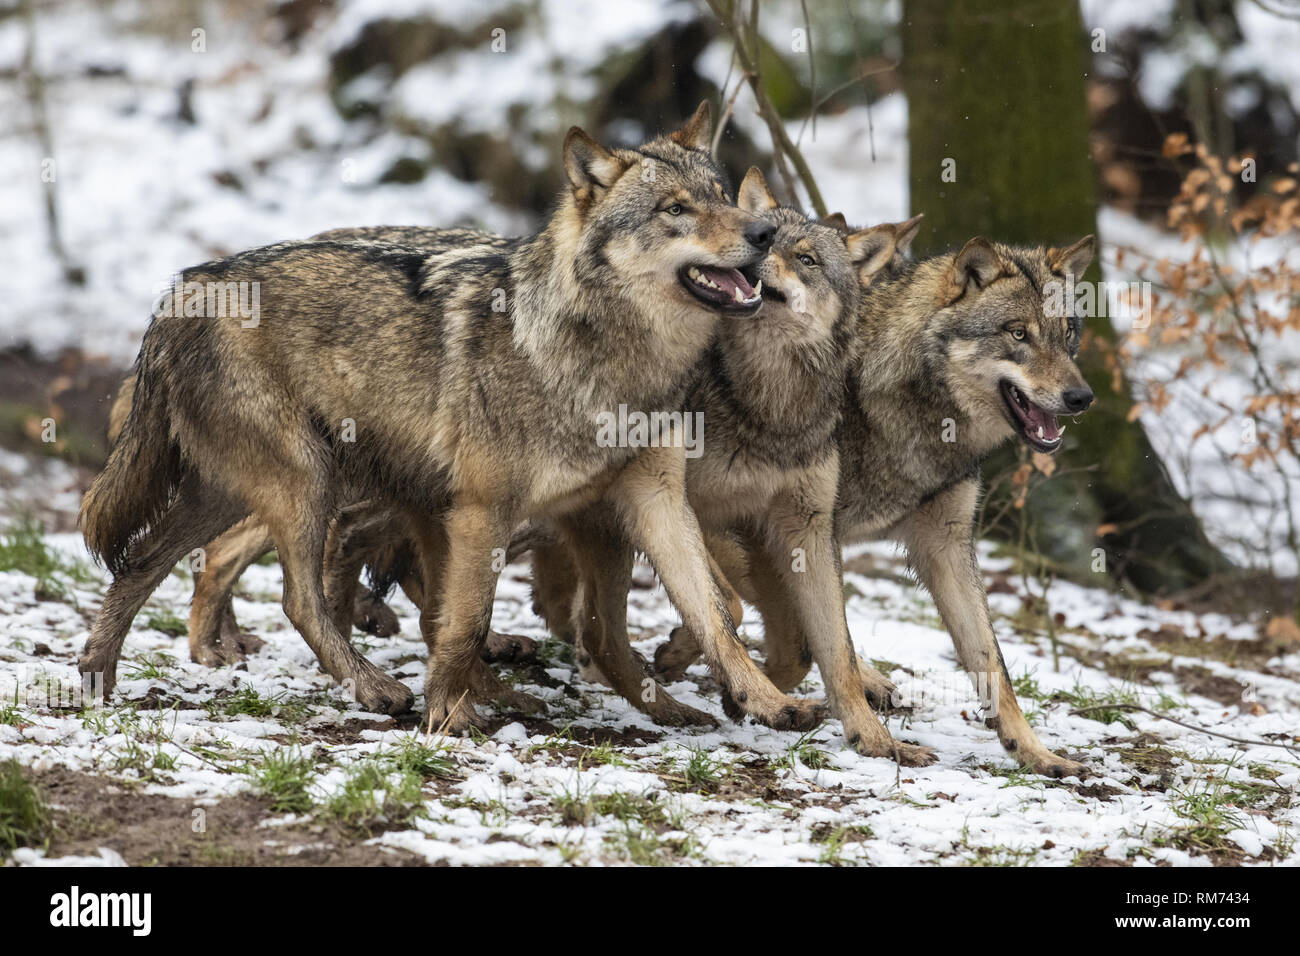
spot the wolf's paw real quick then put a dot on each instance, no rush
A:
(588, 672)
(247, 643)
(453, 716)
(1050, 765)
(787, 714)
(508, 649)
(909, 755)
(380, 694)
(102, 663)
(508, 698)
(218, 654)
(372, 616)
(877, 688)
(228, 649)
(487, 687)
(672, 659)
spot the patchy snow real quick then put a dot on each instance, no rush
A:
(762, 796)
(143, 193)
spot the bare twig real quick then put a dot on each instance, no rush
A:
(812, 70)
(40, 124)
(1182, 723)
(745, 36)
(727, 112)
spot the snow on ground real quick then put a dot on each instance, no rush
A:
(595, 782)
(143, 193)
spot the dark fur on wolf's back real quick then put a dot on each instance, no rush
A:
(472, 379)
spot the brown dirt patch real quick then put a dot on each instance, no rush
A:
(151, 830)
(1098, 858)
(1204, 683)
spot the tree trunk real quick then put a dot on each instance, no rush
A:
(999, 88)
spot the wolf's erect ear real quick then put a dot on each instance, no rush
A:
(1072, 260)
(870, 250)
(976, 265)
(588, 163)
(698, 131)
(754, 195)
(836, 220)
(905, 232)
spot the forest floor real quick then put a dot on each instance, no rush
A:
(268, 762)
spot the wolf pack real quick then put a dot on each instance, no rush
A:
(422, 406)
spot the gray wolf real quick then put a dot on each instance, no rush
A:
(215, 637)
(956, 355)
(460, 389)
(770, 392)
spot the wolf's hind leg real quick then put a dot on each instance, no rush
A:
(554, 584)
(299, 527)
(355, 533)
(784, 642)
(455, 624)
(192, 520)
(682, 648)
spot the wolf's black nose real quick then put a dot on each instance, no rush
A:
(1077, 399)
(759, 234)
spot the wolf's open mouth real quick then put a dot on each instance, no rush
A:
(1037, 425)
(728, 289)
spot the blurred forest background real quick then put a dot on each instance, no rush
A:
(141, 136)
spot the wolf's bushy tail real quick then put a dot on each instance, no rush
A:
(141, 476)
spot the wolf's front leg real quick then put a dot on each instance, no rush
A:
(805, 552)
(941, 548)
(604, 565)
(650, 497)
(355, 532)
(788, 655)
(726, 561)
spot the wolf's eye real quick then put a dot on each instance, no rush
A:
(807, 259)
(675, 209)
(1018, 334)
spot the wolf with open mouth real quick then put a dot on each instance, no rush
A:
(470, 381)
(955, 355)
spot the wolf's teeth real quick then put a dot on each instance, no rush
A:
(737, 296)
(694, 273)
(1040, 431)
(1062, 431)
(758, 289)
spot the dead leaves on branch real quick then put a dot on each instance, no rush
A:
(1223, 319)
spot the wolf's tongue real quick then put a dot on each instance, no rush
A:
(728, 280)
(1041, 424)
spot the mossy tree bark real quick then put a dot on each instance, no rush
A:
(999, 88)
